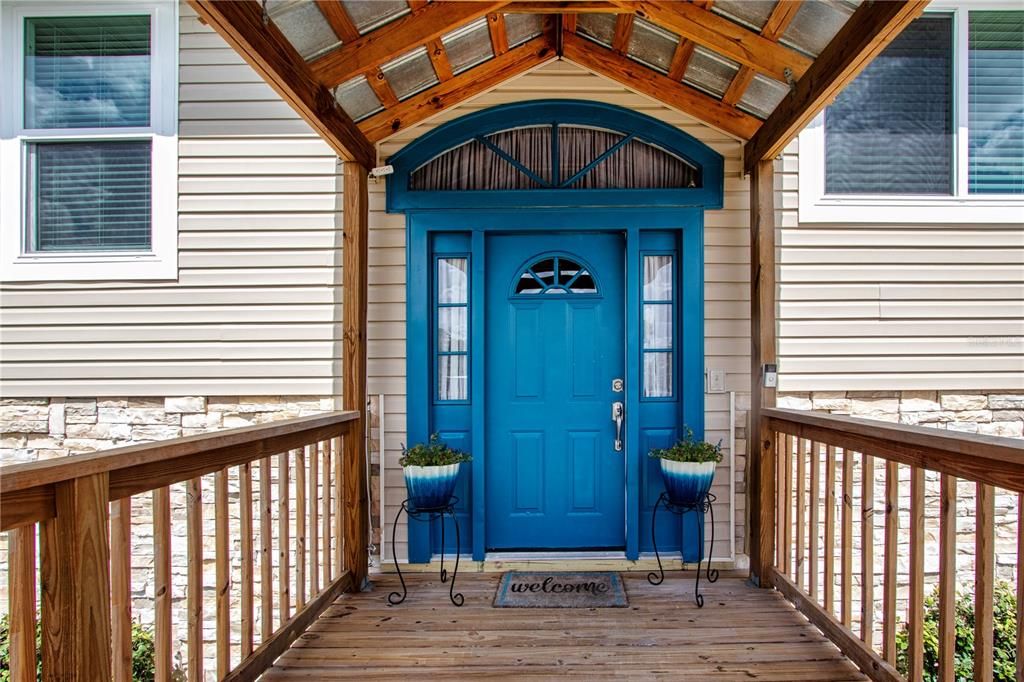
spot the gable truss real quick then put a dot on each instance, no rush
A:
(805, 84)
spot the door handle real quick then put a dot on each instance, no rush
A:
(618, 416)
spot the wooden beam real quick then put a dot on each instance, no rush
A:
(460, 88)
(776, 24)
(647, 81)
(684, 50)
(262, 45)
(338, 18)
(499, 36)
(725, 37)
(566, 7)
(355, 250)
(75, 581)
(378, 47)
(762, 352)
(872, 26)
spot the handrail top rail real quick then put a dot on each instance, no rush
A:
(997, 448)
(16, 477)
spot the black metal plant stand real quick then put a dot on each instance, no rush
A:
(704, 505)
(428, 515)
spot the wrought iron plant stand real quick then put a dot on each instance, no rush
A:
(704, 505)
(430, 514)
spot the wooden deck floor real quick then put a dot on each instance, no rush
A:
(742, 633)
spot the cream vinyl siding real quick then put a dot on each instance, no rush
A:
(727, 271)
(256, 306)
(871, 306)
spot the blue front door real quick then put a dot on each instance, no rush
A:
(554, 345)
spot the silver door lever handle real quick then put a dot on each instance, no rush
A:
(618, 416)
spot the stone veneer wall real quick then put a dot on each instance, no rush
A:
(987, 412)
(38, 429)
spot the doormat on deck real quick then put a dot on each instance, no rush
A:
(550, 590)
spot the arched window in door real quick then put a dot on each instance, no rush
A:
(555, 157)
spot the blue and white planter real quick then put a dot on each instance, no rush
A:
(687, 482)
(430, 487)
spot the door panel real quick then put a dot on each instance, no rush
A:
(553, 477)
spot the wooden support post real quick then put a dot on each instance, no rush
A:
(760, 452)
(21, 547)
(354, 278)
(76, 582)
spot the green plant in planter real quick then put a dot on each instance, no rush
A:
(431, 454)
(688, 449)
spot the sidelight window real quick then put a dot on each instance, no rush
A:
(658, 325)
(452, 329)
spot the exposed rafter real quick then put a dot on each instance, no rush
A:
(378, 47)
(460, 88)
(439, 58)
(623, 32)
(724, 37)
(339, 19)
(653, 84)
(684, 50)
(261, 44)
(776, 24)
(872, 27)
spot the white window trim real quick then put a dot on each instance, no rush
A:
(17, 262)
(815, 206)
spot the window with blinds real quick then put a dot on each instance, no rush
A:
(891, 130)
(995, 100)
(87, 76)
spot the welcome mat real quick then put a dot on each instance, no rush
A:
(548, 590)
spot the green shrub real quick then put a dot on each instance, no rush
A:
(687, 449)
(1004, 619)
(434, 453)
(143, 653)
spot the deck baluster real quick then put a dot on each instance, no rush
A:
(314, 519)
(222, 566)
(892, 482)
(830, 528)
(947, 577)
(867, 549)
(300, 529)
(120, 588)
(266, 552)
(162, 584)
(814, 535)
(984, 577)
(799, 566)
(21, 544)
(245, 532)
(284, 604)
(915, 654)
(846, 542)
(194, 521)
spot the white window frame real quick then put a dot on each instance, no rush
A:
(815, 206)
(17, 261)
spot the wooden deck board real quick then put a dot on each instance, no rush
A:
(742, 633)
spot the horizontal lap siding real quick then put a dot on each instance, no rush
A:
(897, 306)
(727, 308)
(256, 306)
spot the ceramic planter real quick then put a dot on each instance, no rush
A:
(430, 487)
(687, 482)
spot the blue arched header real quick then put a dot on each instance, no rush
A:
(569, 112)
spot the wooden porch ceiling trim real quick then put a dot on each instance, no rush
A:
(378, 47)
(649, 82)
(458, 89)
(780, 18)
(868, 31)
(725, 37)
(566, 7)
(267, 51)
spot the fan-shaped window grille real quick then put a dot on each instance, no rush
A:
(555, 157)
(555, 275)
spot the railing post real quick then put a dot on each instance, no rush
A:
(76, 582)
(762, 562)
(354, 274)
(21, 562)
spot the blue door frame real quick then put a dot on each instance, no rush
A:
(653, 221)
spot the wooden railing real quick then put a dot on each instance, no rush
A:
(80, 509)
(808, 470)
